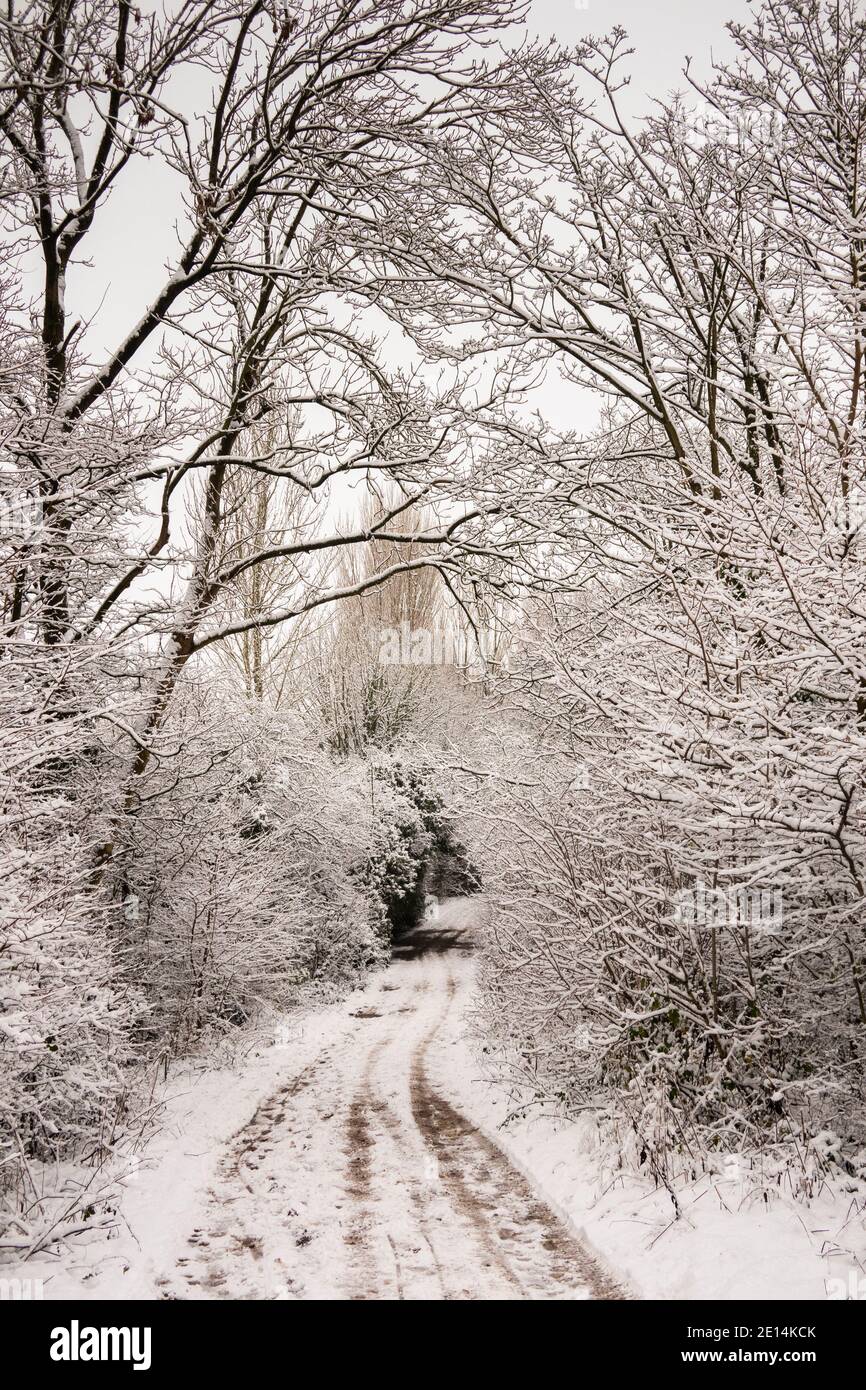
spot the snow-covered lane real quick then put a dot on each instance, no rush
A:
(359, 1177)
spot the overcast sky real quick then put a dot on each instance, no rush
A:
(133, 235)
(662, 33)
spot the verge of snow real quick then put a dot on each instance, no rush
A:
(728, 1244)
(164, 1191)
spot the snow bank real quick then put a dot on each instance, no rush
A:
(729, 1243)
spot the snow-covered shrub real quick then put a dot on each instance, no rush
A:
(676, 900)
(417, 852)
(65, 1009)
(64, 1015)
(242, 871)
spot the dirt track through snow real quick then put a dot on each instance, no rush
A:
(358, 1177)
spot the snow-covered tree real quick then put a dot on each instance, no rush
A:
(696, 686)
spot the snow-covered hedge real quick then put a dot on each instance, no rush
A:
(67, 1006)
(676, 923)
(243, 875)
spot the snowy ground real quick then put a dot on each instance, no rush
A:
(360, 1157)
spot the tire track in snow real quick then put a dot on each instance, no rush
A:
(359, 1178)
(360, 1143)
(488, 1190)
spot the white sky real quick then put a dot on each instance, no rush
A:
(662, 32)
(133, 235)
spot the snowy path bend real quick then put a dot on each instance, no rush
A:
(358, 1178)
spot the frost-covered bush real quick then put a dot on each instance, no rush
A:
(243, 874)
(66, 1009)
(417, 852)
(676, 903)
(260, 863)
